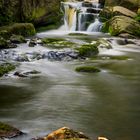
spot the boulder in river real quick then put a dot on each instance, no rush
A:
(122, 24)
(64, 133)
(7, 131)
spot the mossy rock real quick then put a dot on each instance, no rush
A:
(111, 11)
(3, 43)
(7, 131)
(17, 39)
(90, 69)
(122, 24)
(5, 68)
(24, 29)
(88, 50)
(57, 43)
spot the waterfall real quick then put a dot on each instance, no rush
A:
(82, 16)
(95, 26)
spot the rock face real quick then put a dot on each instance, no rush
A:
(37, 11)
(122, 24)
(64, 133)
(7, 131)
(130, 4)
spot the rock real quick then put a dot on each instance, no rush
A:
(24, 29)
(34, 41)
(109, 12)
(104, 43)
(17, 39)
(87, 4)
(102, 138)
(5, 68)
(64, 133)
(118, 25)
(7, 131)
(89, 69)
(88, 50)
(26, 74)
(119, 10)
(3, 43)
(130, 4)
(42, 12)
(19, 74)
(126, 35)
(57, 43)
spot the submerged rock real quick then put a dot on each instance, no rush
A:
(90, 69)
(64, 133)
(57, 43)
(26, 74)
(7, 131)
(34, 41)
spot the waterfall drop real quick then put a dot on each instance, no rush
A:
(82, 16)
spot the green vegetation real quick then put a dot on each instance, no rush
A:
(3, 43)
(25, 29)
(17, 39)
(57, 43)
(90, 69)
(5, 68)
(88, 50)
(5, 127)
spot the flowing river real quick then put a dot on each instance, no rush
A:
(98, 104)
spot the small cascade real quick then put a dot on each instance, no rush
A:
(95, 26)
(82, 16)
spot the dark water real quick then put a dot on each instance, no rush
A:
(101, 104)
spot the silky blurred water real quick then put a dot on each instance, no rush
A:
(98, 104)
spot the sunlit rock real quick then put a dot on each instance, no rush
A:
(64, 133)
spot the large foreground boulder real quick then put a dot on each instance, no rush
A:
(7, 131)
(64, 133)
(109, 12)
(122, 24)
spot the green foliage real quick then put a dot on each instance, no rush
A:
(5, 68)
(88, 50)
(90, 69)
(137, 18)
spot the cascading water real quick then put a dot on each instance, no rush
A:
(82, 16)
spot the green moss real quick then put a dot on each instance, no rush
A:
(57, 43)
(90, 69)
(5, 68)
(25, 29)
(39, 12)
(6, 127)
(88, 50)
(3, 43)
(17, 39)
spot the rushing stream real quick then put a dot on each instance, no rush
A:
(99, 104)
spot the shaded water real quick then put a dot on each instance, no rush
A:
(101, 104)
